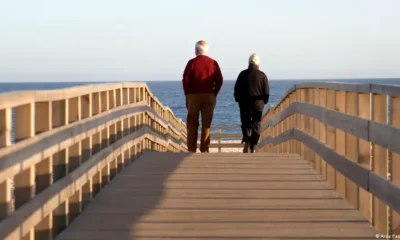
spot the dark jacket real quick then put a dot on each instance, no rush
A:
(202, 75)
(251, 86)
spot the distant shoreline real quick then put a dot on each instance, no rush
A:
(228, 80)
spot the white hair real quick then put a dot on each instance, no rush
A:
(254, 59)
(201, 48)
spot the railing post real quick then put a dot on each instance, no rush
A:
(5, 127)
(364, 155)
(219, 140)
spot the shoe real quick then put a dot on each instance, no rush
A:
(246, 148)
(251, 148)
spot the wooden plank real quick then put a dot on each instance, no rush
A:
(249, 215)
(352, 149)
(317, 129)
(364, 155)
(340, 145)
(384, 136)
(5, 127)
(380, 155)
(386, 191)
(138, 205)
(235, 231)
(330, 138)
(322, 132)
(395, 167)
(391, 90)
(336, 86)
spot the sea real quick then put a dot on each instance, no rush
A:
(170, 93)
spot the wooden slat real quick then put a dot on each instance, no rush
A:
(395, 167)
(351, 149)
(322, 132)
(330, 138)
(380, 161)
(46, 145)
(214, 206)
(364, 154)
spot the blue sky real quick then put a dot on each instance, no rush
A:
(129, 40)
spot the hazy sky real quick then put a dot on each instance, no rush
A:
(99, 40)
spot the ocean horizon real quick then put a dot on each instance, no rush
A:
(170, 93)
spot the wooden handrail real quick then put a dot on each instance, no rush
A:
(220, 135)
(350, 133)
(68, 144)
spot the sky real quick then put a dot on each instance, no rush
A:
(131, 40)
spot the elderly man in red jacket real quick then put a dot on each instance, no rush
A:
(202, 81)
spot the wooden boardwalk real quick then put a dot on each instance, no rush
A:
(218, 196)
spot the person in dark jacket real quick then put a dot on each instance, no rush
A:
(251, 93)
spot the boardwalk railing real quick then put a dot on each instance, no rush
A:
(350, 133)
(59, 148)
(233, 139)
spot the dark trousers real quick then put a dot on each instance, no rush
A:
(250, 116)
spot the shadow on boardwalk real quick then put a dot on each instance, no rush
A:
(132, 194)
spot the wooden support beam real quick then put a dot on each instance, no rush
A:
(5, 127)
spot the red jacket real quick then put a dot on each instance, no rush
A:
(202, 75)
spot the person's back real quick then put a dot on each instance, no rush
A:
(252, 93)
(252, 88)
(202, 81)
(201, 76)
